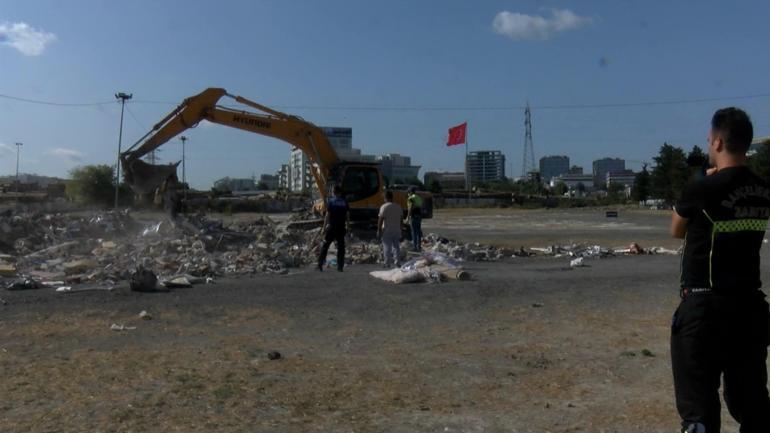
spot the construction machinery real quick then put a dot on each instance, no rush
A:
(361, 182)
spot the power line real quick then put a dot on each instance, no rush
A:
(57, 104)
(426, 108)
(133, 116)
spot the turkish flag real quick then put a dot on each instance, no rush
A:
(457, 134)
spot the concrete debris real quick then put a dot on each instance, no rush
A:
(143, 280)
(145, 315)
(121, 327)
(70, 250)
(576, 263)
(7, 270)
(177, 283)
(23, 284)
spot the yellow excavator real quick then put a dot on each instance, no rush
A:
(362, 183)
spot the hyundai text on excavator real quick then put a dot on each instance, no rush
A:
(361, 182)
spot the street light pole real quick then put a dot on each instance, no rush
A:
(123, 97)
(18, 150)
(184, 172)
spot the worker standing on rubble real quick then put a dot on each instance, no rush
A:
(720, 329)
(414, 215)
(335, 228)
(389, 230)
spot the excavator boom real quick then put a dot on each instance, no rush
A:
(144, 178)
(361, 182)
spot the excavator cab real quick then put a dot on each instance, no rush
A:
(362, 186)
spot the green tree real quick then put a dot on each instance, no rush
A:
(92, 184)
(434, 186)
(696, 157)
(616, 193)
(642, 185)
(760, 161)
(560, 189)
(670, 173)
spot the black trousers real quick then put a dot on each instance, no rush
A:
(717, 337)
(337, 236)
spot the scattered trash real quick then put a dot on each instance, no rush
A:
(273, 355)
(63, 289)
(23, 284)
(143, 280)
(576, 263)
(145, 315)
(68, 250)
(428, 267)
(116, 327)
(178, 282)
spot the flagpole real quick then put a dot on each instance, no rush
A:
(467, 167)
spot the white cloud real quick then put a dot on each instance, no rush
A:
(519, 26)
(25, 39)
(66, 154)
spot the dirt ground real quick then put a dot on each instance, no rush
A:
(528, 345)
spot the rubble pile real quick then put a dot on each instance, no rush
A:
(104, 248)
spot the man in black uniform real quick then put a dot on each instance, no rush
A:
(720, 329)
(335, 223)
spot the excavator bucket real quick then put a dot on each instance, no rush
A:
(145, 178)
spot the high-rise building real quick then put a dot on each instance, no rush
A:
(397, 168)
(552, 166)
(284, 177)
(269, 181)
(300, 177)
(621, 177)
(602, 166)
(485, 166)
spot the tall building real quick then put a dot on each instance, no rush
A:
(284, 177)
(300, 177)
(341, 140)
(397, 168)
(269, 181)
(621, 177)
(602, 166)
(575, 170)
(552, 166)
(485, 166)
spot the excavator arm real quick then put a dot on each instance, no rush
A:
(144, 178)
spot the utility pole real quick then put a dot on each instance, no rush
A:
(123, 98)
(184, 172)
(18, 149)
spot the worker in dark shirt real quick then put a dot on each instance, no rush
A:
(335, 227)
(720, 329)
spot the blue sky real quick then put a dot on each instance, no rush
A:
(307, 56)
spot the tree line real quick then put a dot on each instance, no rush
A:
(674, 169)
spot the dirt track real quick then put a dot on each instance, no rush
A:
(528, 346)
